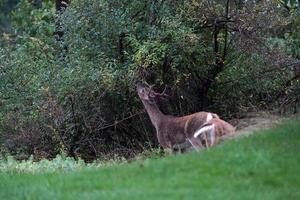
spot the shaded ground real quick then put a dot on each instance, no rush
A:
(253, 122)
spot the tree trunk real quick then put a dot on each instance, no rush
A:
(61, 6)
(220, 57)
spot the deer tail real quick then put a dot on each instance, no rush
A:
(203, 130)
(209, 117)
(215, 116)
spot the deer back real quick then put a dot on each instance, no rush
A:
(222, 130)
(196, 121)
(222, 127)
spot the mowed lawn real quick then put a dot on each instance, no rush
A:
(265, 165)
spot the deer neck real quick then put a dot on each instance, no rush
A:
(154, 113)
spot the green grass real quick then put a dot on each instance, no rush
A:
(262, 166)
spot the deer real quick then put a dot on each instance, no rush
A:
(172, 130)
(214, 130)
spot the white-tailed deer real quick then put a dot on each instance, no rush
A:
(214, 130)
(172, 130)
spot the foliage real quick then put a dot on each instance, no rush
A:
(58, 164)
(289, 4)
(6, 7)
(61, 163)
(32, 21)
(293, 38)
(234, 169)
(76, 92)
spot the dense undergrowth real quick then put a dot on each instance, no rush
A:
(67, 77)
(61, 163)
(263, 165)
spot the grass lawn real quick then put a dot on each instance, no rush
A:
(265, 165)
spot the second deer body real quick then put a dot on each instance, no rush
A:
(214, 130)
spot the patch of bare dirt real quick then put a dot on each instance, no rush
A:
(255, 121)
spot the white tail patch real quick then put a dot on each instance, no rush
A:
(215, 116)
(209, 117)
(203, 130)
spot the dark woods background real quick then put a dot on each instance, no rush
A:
(68, 69)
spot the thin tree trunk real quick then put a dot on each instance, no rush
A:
(220, 56)
(61, 6)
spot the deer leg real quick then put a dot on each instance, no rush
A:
(205, 140)
(176, 149)
(212, 137)
(196, 143)
(182, 147)
(168, 151)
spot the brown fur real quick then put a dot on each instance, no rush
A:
(221, 131)
(171, 130)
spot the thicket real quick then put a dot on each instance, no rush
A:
(67, 78)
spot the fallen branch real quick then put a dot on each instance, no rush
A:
(120, 121)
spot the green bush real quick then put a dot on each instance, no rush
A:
(58, 164)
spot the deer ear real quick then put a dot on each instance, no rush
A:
(139, 87)
(140, 90)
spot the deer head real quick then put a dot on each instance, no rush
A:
(146, 93)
